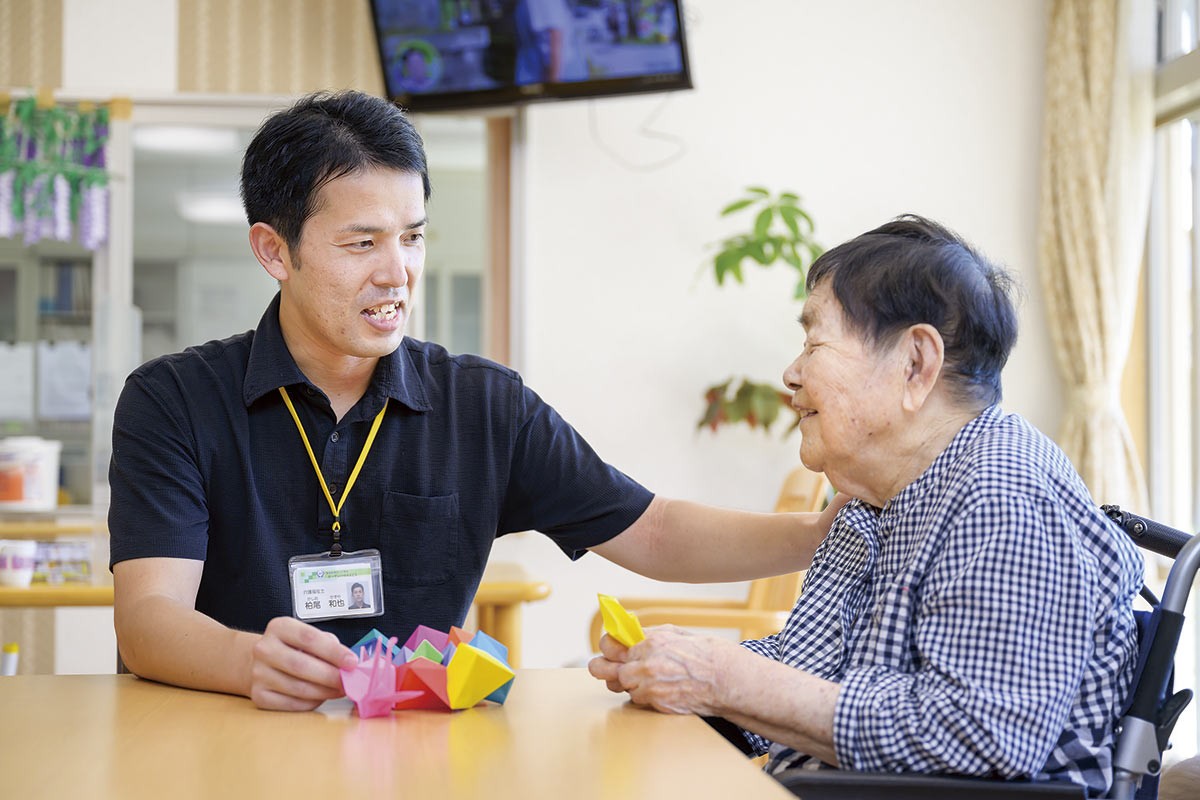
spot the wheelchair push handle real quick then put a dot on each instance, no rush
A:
(1147, 533)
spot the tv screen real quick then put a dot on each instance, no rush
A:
(448, 54)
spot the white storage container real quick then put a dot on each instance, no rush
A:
(29, 473)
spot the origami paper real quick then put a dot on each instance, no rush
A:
(374, 636)
(495, 648)
(424, 684)
(433, 670)
(426, 650)
(437, 639)
(473, 675)
(371, 683)
(619, 623)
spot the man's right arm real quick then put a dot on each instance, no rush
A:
(292, 666)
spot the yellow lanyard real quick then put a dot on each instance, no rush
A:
(336, 550)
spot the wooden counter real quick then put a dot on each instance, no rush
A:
(64, 521)
(45, 595)
(560, 735)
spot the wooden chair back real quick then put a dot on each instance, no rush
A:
(766, 606)
(803, 490)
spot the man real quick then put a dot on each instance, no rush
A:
(325, 446)
(547, 48)
(415, 74)
(970, 611)
(357, 596)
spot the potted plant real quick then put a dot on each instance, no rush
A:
(781, 231)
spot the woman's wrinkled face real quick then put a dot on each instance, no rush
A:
(848, 394)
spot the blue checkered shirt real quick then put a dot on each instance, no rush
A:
(979, 624)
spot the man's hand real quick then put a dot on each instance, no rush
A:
(672, 669)
(294, 666)
(831, 510)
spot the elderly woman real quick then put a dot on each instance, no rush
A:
(970, 611)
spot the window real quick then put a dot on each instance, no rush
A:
(1173, 312)
(452, 304)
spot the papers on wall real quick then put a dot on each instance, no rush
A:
(64, 378)
(16, 385)
(61, 373)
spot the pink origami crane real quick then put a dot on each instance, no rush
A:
(371, 683)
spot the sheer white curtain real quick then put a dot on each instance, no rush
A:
(1097, 155)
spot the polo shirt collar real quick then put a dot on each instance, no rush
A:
(271, 365)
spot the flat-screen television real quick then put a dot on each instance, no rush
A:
(450, 54)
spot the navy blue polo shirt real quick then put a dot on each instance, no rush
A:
(207, 464)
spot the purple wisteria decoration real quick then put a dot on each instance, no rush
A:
(53, 181)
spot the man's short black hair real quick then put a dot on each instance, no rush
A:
(319, 139)
(358, 586)
(913, 270)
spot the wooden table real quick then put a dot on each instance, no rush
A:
(504, 589)
(560, 735)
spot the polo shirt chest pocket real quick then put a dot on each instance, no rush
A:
(419, 538)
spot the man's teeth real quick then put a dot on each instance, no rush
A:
(386, 311)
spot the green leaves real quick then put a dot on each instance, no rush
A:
(762, 223)
(736, 205)
(756, 404)
(781, 230)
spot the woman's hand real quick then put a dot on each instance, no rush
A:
(680, 672)
(672, 670)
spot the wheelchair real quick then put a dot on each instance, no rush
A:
(1142, 734)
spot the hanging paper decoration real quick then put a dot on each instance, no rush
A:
(53, 181)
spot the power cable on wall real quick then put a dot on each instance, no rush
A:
(691, 20)
(647, 131)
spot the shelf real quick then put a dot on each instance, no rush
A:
(45, 595)
(49, 530)
(63, 521)
(74, 511)
(159, 317)
(80, 317)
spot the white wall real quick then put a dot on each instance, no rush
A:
(868, 110)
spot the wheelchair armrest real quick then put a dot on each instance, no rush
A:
(833, 784)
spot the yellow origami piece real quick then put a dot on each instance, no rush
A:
(473, 675)
(619, 623)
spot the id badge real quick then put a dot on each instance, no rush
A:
(323, 588)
